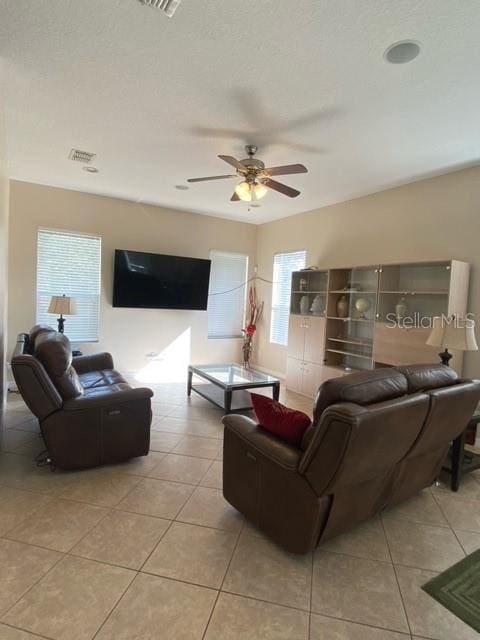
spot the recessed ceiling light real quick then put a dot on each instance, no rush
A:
(402, 52)
(90, 169)
(182, 187)
(255, 204)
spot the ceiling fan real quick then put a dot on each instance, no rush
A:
(256, 178)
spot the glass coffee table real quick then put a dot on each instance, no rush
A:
(225, 384)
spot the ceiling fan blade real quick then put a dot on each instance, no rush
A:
(210, 178)
(234, 198)
(286, 169)
(235, 163)
(281, 188)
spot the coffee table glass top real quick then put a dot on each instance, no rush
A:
(231, 375)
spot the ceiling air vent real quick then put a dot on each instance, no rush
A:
(167, 6)
(81, 156)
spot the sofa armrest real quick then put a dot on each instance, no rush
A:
(263, 442)
(94, 362)
(107, 397)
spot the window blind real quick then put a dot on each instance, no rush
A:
(283, 265)
(69, 263)
(226, 311)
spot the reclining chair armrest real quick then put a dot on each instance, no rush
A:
(37, 389)
(94, 362)
(104, 397)
(265, 443)
(344, 412)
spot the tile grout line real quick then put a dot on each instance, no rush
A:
(220, 589)
(5, 534)
(439, 505)
(119, 599)
(396, 576)
(172, 521)
(62, 557)
(325, 615)
(311, 592)
(40, 635)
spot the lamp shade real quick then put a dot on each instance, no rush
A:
(455, 334)
(62, 305)
(435, 339)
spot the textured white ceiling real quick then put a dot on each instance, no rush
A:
(158, 99)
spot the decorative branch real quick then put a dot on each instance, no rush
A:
(255, 310)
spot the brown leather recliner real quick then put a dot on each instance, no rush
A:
(378, 437)
(89, 415)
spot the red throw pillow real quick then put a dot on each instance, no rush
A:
(287, 424)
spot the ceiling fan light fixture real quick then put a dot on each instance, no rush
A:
(248, 191)
(260, 191)
(243, 191)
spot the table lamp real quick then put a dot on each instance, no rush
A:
(453, 333)
(64, 306)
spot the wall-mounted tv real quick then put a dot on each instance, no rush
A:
(154, 281)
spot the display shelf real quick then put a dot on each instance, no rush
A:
(310, 314)
(350, 353)
(351, 291)
(341, 368)
(359, 343)
(307, 291)
(416, 293)
(351, 319)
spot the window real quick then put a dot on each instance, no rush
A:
(69, 263)
(227, 294)
(283, 265)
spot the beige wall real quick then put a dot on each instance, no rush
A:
(130, 334)
(433, 219)
(4, 188)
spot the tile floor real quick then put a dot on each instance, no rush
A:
(150, 549)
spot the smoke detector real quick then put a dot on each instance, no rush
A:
(81, 156)
(167, 6)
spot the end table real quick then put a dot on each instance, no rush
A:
(462, 461)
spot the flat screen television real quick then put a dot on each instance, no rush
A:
(154, 281)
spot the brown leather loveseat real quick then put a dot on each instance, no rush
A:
(89, 415)
(378, 437)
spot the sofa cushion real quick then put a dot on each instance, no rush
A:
(93, 379)
(55, 353)
(287, 424)
(363, 388)
(422, 377)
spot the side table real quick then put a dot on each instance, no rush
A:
(461, 461)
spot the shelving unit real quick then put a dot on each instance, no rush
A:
(352, 293)
(362, 318)
(309, 292)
